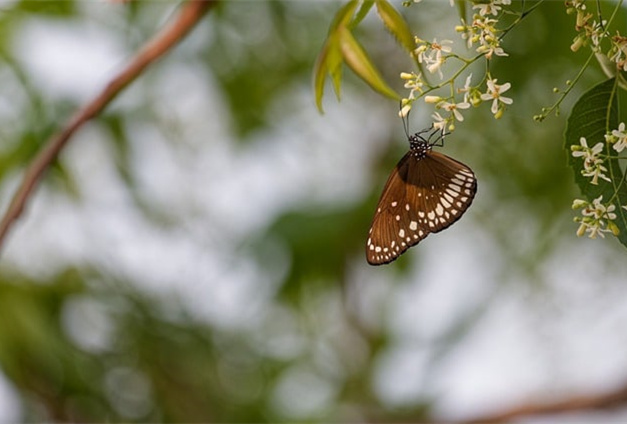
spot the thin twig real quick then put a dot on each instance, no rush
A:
(603, 401)
(190, 14)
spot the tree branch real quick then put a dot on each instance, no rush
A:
(190, 14)
(602, 401)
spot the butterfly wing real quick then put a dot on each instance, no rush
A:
(421, 196)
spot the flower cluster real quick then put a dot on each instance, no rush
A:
(482, 31)
(618, 52)
(618, 138)
(589, 30)
(490, 7)
(597, 218)
(482, 34)
(434, 54)
(592, 162)
(592, 32)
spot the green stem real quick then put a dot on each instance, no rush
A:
(559, 101)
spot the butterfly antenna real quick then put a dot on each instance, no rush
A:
(405, 119)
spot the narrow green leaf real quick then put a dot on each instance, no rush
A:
(320, 75)
(335, 61)
(594, 115)
(361, 13)
(343, 16)
(461, 9)
(329, 60)
(357, 59)
(396, 24)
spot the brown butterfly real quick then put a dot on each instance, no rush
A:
(426, 193)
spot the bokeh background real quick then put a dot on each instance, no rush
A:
(196, 254)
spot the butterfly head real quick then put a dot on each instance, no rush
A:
(419, 147)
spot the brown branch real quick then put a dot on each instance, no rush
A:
(615, 398)
(190, 14)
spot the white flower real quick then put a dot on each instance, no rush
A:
(597, 218)
(590, 155)
(489, 49)
(598, 171)
(404, 110)
(490, 8)
(435, 66)
(618, 52)
(439, 123)
(597, 33)
(592, 162)
(466, 88)
(621, 136)
(495, 92)
(413, 82)
(454, 108)
(433, 55)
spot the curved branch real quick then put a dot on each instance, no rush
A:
(603, 401)
(190, 14)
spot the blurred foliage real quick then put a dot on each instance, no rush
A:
(152, 360)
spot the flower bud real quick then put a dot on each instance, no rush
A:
(404, 111)
(577, 43)
(613, 228)
(433, 99)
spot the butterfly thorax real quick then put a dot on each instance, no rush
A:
(419, 147)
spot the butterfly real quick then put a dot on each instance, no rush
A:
(426, 193)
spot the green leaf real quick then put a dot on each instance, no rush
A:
(357, 59)
(340, 46)
(321, 69)
(59, 8)
(329, 61)
(461, 9)
(343, 16)
(362, 12)
(594, 115)
(396, 24)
